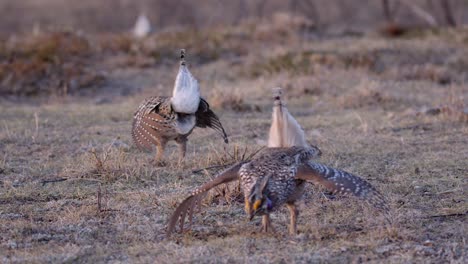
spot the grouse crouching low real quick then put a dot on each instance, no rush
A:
(278, 175)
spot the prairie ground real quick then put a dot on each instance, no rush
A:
(74, 188)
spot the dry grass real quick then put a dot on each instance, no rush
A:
(73, 188)
(49, 64)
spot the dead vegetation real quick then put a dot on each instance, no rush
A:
(453, 106)
(67, 63)
(50, 64)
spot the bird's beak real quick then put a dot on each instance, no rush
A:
(251, 215)
(256, 207)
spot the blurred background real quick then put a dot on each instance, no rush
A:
(61, 47)
(119, 15)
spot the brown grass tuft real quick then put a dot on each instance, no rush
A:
(367, 94)
(231, 101)
(50, 64)
(453, 107)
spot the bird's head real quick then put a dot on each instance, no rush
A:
(258, 203)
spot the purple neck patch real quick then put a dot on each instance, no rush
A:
(269, 204)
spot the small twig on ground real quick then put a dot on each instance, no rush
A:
(36, 131)
(110, 210)
(447, 215)
(210, 167)
(8, 133)
(448, 191)
(99, 199)
(44, 182)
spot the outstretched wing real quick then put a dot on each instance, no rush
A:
(190, 203)
(147, 120)
(341, 182)
(207, 118)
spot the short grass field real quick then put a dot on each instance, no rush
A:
(74, 188)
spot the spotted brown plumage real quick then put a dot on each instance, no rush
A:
(157, 122)
(342, 182)
(277, 177)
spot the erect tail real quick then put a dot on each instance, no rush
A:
(285, 131)
(186, 93)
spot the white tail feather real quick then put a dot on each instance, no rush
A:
(142, 26)
(285, 131)
(186, 93)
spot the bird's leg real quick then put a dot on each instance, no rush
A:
(266, 224)
(182, 142)
(294, 213)
(160, 146)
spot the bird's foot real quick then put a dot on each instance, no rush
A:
(267, 228)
